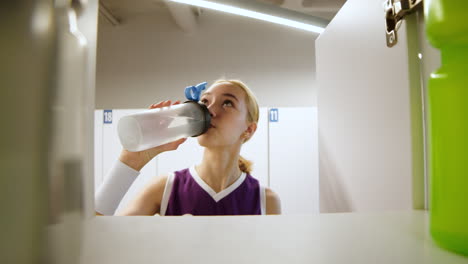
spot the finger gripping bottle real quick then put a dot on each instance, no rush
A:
(155, 127)
(447, 30)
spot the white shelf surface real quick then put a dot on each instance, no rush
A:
(388, 237)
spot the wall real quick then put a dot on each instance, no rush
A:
(148, 58)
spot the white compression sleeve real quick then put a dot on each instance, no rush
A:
(115, 186)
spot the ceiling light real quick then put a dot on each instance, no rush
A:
(254, 14)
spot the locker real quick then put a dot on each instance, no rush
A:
(366, 94)
(293, 144)
(293, 177)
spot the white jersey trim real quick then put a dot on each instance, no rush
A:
(263, 199)
(217, 196)
(167, 193)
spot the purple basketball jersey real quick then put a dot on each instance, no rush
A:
(187, 193)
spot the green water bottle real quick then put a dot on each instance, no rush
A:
(447, 30)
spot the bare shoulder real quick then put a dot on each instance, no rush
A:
(148, 200)
(273, 202)
(158, 183)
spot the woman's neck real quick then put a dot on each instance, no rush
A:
(219, 168)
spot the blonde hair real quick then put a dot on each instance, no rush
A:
(252, 115)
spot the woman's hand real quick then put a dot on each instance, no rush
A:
(137, 160)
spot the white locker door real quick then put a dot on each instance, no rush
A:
(256, 149)
(370, 117)
(294, 158)
(111, 149)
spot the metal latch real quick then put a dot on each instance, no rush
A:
(395, 11)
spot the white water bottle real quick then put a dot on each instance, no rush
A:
(155, 127)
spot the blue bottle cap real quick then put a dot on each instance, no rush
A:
(193, 92)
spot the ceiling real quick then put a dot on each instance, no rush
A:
(123, 10)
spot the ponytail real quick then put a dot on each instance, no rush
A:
(245, 165)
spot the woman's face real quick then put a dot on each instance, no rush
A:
(228, 109)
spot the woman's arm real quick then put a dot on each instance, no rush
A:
(145, 202)
(148, 201)
(273, 202)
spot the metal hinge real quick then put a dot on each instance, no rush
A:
(395, 11)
